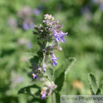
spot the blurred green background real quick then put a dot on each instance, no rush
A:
(82, 19)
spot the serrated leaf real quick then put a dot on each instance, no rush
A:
(98, 91)
(60, 73)
(93, 93)
(32, 90)
(93, 83)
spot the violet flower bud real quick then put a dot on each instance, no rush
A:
(34, 76)
(44, 92)
(43, 96)
(59, 48)
(48, 17)
(44, 69)
(58, 26)
(54, 22)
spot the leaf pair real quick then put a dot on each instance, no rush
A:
(94, 87)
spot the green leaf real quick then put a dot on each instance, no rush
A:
(29, 55)
(93, 83)
(32, 58)
(60, 73)
(93, 93)
(33, 90)
(40, 54)
(49, 73)
(98, 91)
(101, 86)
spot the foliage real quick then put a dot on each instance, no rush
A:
(95, 89)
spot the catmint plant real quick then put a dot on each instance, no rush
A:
(49, 35)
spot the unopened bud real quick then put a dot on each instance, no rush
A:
(47, 83)
(39, 69)
(34, 76)
(59, 26)
(35, 32)
(59, 48)
(35, 27)
(44, 88)
(44, 70)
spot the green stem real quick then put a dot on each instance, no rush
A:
(53, 98)
(45, 45)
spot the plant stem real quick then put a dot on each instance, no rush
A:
(44, 54)
(53, 98)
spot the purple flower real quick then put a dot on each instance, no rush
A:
(43, 95)
(55, 23)
(36, 12)
(58, 26)
(59, 36)
(19, 80)
(25, 26)
(62, 38)
(50, 92)
(56, 36)
(34, 76)
(54, 59)
(44, 70)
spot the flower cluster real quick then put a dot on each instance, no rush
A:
(26, 16)
(49, 36)
(50, 32)
(47, 89)
(38, 70)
